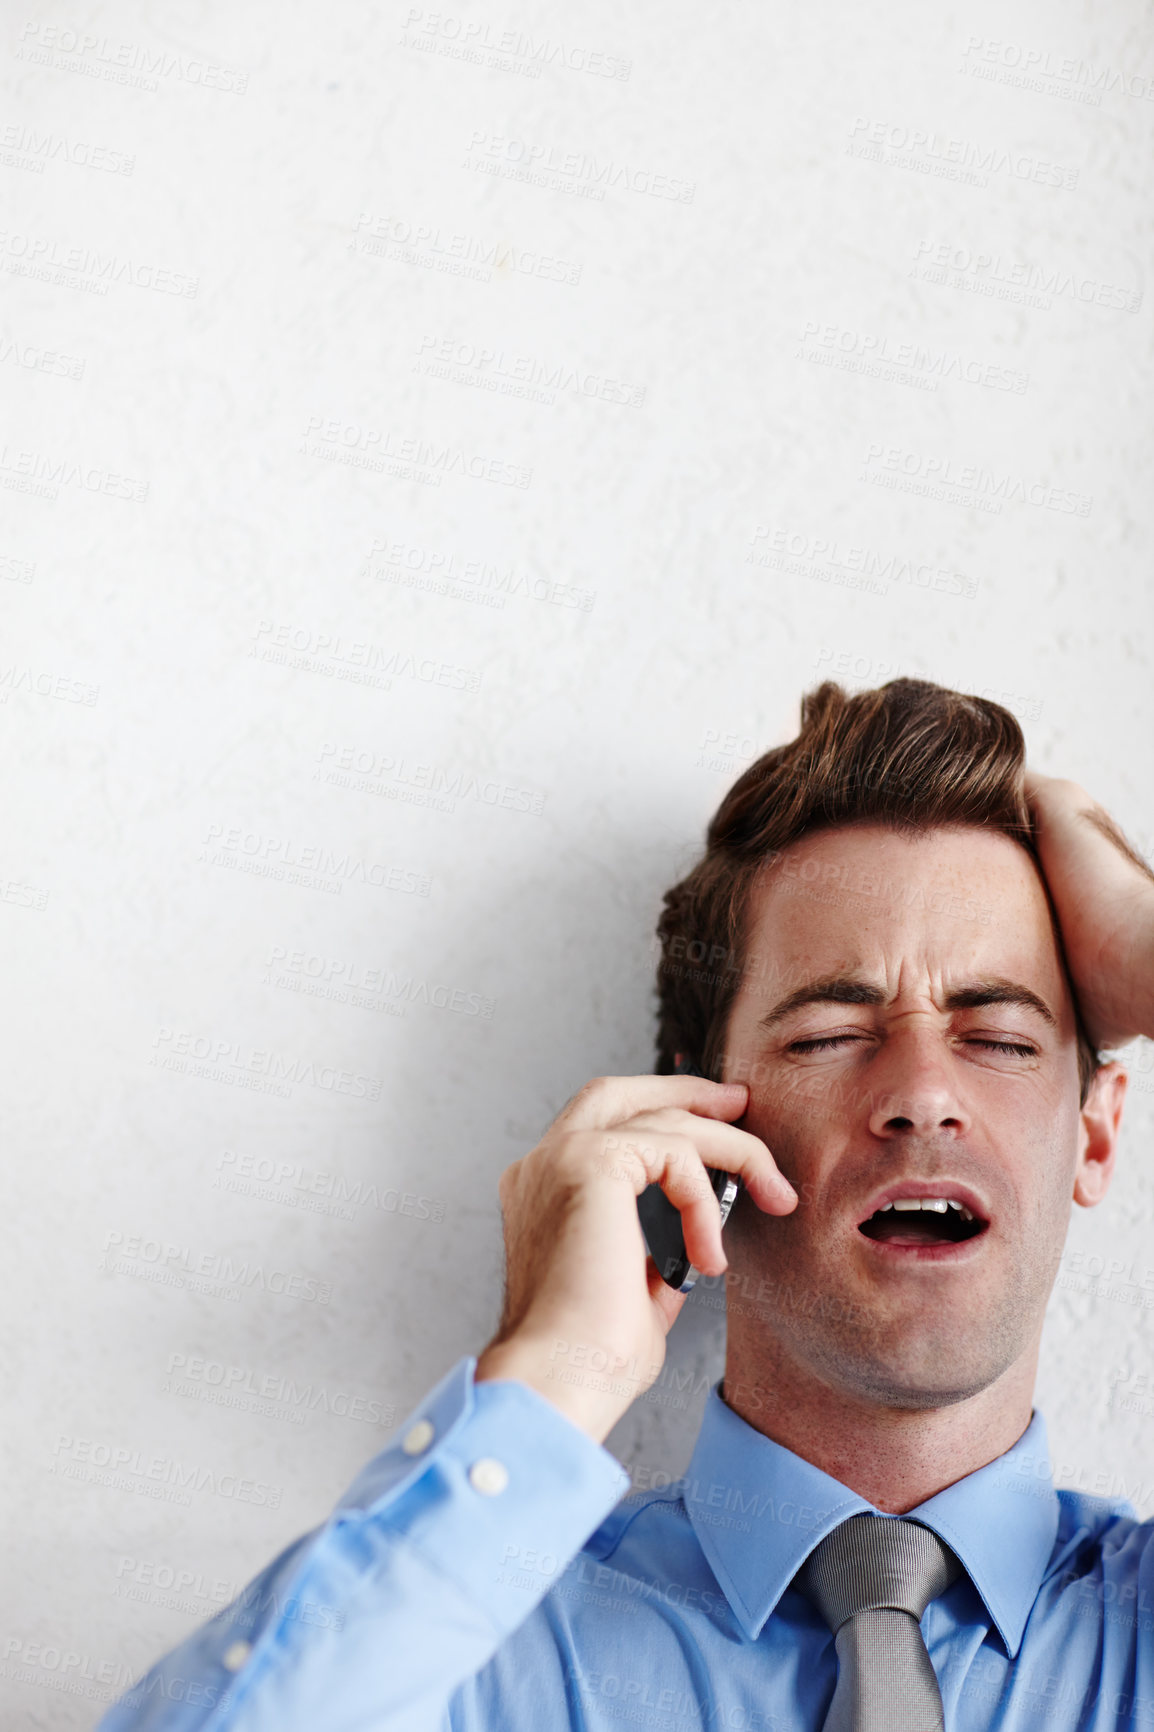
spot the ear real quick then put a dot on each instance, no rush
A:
(1098, 1134)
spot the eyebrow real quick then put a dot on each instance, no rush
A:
(852, 989)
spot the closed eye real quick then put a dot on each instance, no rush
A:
(824, 1042)
(816, 1045)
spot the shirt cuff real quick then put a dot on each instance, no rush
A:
(528, 1488)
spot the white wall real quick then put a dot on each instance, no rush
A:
(240, 239)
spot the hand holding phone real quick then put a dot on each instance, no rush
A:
(586, 1312)
(662, 1225)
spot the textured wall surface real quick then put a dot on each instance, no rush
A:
(438, 450)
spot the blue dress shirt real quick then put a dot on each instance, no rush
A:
(485, 1574)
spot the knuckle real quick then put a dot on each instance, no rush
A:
(579, 1146)
(663, 1118)
(582, 1153)
(684, 1163)
(580, 1100)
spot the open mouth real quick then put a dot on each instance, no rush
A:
(917, 1221)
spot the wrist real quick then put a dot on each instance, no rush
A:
(592, 1401)
(1131, 963)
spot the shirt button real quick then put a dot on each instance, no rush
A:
(418, 1437)
(488, 1476)
(235, 1655)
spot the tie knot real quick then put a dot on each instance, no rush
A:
(873, 1562)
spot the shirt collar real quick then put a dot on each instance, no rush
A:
(758, 1510)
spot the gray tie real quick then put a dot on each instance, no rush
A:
(871, 1579)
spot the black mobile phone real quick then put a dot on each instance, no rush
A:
(661, 1221)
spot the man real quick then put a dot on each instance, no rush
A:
(865, 964)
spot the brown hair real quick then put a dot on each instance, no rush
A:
(909, 754)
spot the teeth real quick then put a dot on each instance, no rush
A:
(932, 1205)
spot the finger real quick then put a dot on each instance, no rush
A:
(682, 1176)
(726, 1146)
(1050, 794)
(657, 1158)
(608, 1099)
(666, 1299)
(1044, 792)
(507, 1184)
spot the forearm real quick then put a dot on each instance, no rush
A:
(1103, 894)
(1138, 972)
(407, 1591)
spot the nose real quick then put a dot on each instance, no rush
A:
(913, 1089)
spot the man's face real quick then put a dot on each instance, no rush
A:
(917, 1040)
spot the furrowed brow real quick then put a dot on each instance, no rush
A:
(999, 991)
(834, 989)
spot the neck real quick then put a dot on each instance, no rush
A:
(894, 1457)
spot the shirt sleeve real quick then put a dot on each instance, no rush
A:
(408, 1589)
